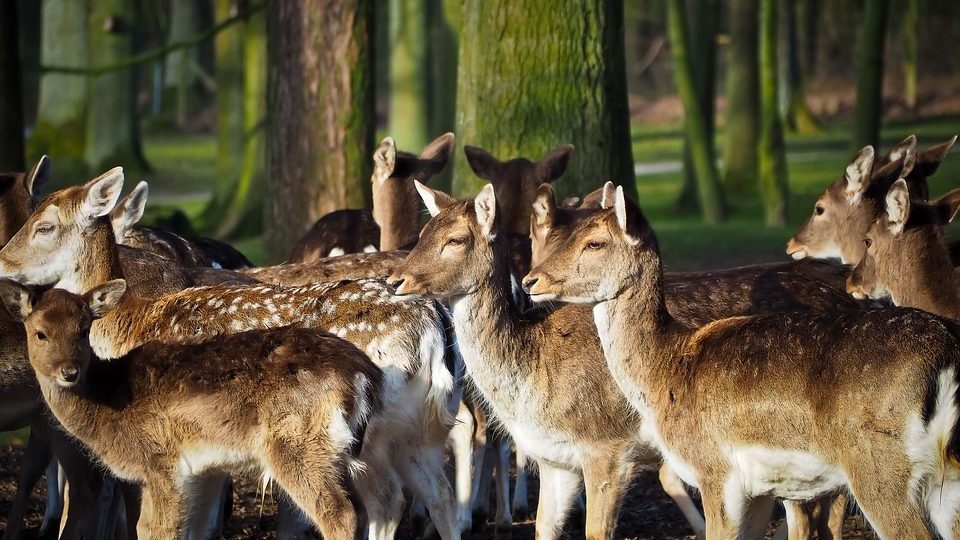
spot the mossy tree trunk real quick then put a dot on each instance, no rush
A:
(534, 75)
(742, 129)
(60, 130)
(409, 64)
(798, 115)
(321, 117)
(811, 36)
(911, 20)
(11, 91)
(697, 137)
(869, 108)
(702, 47)
(180, 79)
(772, 159)
(112, 130)
(443, 23)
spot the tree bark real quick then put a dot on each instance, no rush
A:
(30, 14)
(321, 118)
(443, 21)
(60, 130)
(229, 70)
(180, 80)
(695, 125)
(742, 130)
(112, 129)
(562, 79)
(11, 91)
(409, 110)
(772, 161)
(798, 115)
(869, 108)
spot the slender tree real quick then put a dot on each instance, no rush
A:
(180, 79)
(321, 119)
(443, 22)
(698, 139)
(911, 20)
(869, 109)
(798, 115)
(409, 69)
(772, 160)
(560, 80)
(11, 94)
(743, 101)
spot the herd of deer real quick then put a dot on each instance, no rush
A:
(342, 376)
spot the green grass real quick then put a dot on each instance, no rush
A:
(185, 170)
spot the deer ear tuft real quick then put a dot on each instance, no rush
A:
(433, 199)
(105, 297)
(898, 206)
(857, 174)
(607, 195)
(16, 298)
(544, 206)
(384, 160)
(101, 194)
(128, 211)
(485, 205)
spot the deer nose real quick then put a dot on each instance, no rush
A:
(528, 283)
(394, 283)
(69, 374)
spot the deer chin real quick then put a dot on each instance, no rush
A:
(796, 249)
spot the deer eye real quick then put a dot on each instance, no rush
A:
(456, 241)
(45, 228)
(818, 210)
(867, 242)
(41, 336)
(596, 245)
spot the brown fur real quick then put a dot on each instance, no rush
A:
(270, 396)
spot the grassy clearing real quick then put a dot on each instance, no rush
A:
(185, 169)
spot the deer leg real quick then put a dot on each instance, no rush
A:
(204, 518)
(483, 458)
(501, 447)
(322, 492)
(131, 506)
(461, 442)
(56, 483)
(831, 528)
(674, 487)
(166, 515)
(422, 470)
(558, 488)
(722, 508)
(381, 491)
(797, 524)
(606, 478)
(885, 499)
(519, 506)
(84, 481)
(35, 459)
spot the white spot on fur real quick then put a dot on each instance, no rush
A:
(336, 252)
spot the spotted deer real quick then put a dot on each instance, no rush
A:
(68, 242)
(885, 429)
(290, 404)
(844, 211)
(543, 378)
(907, 258)
(395, 220)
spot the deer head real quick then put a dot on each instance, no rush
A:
(396, 205)
(19, 194)
(50, 241)
(128, 211)
(550, 224)
(58, 326)
(456, 247)
(603, 251)
(906, 255)
(516, 181)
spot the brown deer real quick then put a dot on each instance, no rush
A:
(717, 399)
(845, 210)
(544, 378)
(290, 404)
(907, 257)
(69, 242)
(19, 193)
(396, 208)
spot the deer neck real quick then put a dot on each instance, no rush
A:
(638, 336)
(934, 287)
(98, 260)
(398, 214)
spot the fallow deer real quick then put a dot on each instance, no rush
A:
(396, 208)
(544, 379)
(19, 193)
(290, 404)
(845, 210)
(68, 242)
(907, 258)
(716, 399)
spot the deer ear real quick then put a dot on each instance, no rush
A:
(570, 202)
(483, 163)
(384, 160)
(16, 298)
(440, 149)
(857, 174)
(105, 297)
(38, 177)
(902, 148)
(101, 194)
(544, 207)
(554, 164)
(128, 212)
(486, 207)
(898, 206)
(607, 195)
(947, 205)
(592, 200)
(434, 200)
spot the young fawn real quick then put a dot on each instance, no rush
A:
(290, 404)
(68, 242)
(792, 405)
(395, 217)
(543, 378)
(907, 258)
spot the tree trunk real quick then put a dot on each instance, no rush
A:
(772, 160)
(910, 21)
(561, 80)
(869, 108)
(811, 37)
(321, 121)
(743, 100)
(703, 43)
(180, 80)
(798, 116)
(695, 125)
(60, 130)
(111, 112)
(11, 91)
(409, 110)
(30, 14)
(443, 22)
